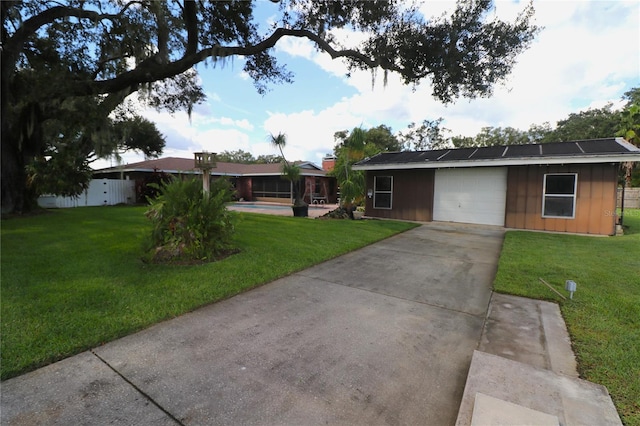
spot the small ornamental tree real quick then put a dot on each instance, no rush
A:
(189, 224)
(351, 182)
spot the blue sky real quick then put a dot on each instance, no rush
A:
(587, 54)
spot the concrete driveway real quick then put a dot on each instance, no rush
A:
(383, 335)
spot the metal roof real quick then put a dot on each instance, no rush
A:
(584, 151)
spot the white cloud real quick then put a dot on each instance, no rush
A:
(309, 134)
(218, 140)
(229, 122)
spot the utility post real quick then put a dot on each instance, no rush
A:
(205, 161)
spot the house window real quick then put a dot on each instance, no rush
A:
(559, 198)
(383, 192)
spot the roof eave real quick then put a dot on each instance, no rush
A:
(125, 170)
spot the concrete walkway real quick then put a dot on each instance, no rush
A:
(524, 372)
(382, 335)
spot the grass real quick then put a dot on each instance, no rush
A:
(72, 279)
(603, 318)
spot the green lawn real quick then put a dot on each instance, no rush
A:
(73, 279)
(604, 317)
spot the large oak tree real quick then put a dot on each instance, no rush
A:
(57, 52)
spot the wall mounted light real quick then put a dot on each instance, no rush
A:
(369, 193)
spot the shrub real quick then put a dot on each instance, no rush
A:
(149, 187)
(190, 225)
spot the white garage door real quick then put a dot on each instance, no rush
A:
(470, 195)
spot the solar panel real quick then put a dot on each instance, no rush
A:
(578, 148)
(601, 145)
(458, 154)
(488, 152)
(516, 151)
(378, 159)
(433, 155)
(408, 157)
(560, 148)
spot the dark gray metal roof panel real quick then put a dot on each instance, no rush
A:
(585, 148)
(458, 154)
(515, 151)
(488, 153)
(560, 148)
(600, 146)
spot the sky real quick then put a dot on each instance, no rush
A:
(587, 54)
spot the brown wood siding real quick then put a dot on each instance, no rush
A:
(595, 202)
(412, 195)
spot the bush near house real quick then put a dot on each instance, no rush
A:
(603, 318)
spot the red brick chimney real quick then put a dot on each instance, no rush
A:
(328, 162)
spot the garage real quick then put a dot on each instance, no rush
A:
(504, 186)
(470, 195)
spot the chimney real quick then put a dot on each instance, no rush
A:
(328, 162)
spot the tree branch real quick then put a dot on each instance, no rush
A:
(31, 25)
(149, 70)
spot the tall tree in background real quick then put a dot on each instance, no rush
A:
(55, 53)
(351, 147)
(490, 136)
(428, 135)
(237, 156)
(244, 157)
(593, 123)
(269, 159)
(630, 117)
(380, 139)
(632, 96)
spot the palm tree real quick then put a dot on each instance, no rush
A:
(351, 182)
(289, 170)
(630, 131)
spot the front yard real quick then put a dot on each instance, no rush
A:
(604, 316)
(73, 279)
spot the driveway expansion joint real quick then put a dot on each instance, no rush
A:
(137, 389)
(433, 305)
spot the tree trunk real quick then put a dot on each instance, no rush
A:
(13, 180)
(628, 170)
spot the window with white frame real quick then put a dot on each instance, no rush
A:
(382, 192)
(559, 195)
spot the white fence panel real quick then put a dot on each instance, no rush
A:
(101, 192)
(631, 198)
